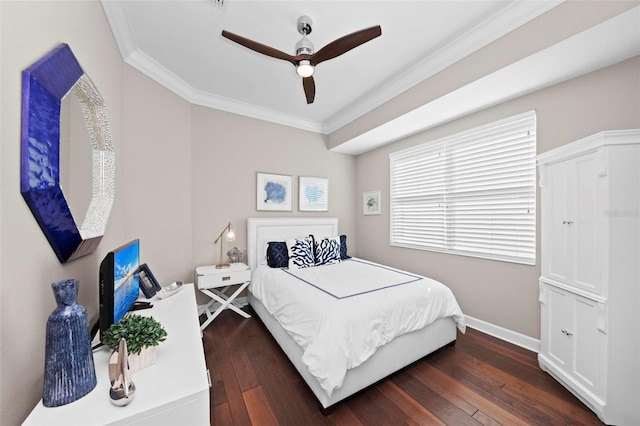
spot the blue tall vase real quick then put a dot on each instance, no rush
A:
(69, 372)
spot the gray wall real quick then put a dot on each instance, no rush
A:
(182, 173)
(501, 293)
(228, 150)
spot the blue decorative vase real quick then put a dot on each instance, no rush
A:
(69, 373)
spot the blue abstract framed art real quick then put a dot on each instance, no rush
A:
(273, 192)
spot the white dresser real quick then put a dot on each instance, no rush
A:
(173, 391)
(590, 283)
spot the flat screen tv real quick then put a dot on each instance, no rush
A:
(119, 283)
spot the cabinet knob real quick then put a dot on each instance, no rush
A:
(568, 333)
(567, 222)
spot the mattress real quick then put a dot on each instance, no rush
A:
(341, 314)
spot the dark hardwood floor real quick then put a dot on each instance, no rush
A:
(481, 380)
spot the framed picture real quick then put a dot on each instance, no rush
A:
(313, 194)
(371, 202)
(148, 283)
(273, 192)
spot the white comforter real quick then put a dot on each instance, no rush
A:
(339, 329)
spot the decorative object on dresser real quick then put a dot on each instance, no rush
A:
(371, 202)
(174, 391)
(45, 85)
(122, 388)
(69, 372)
(142, 333)
(273, 192)
(313, 194)
(148, 283)
(170, 290)
(589, 292)
(231, 236)
(215, 283)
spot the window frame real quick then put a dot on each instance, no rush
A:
(451, 221)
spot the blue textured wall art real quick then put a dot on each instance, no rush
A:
(275, 192)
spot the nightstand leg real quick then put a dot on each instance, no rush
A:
(225, 303)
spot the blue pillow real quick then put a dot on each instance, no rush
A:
(327, 251)
(343, 247)
(277, 254)
(300, 253)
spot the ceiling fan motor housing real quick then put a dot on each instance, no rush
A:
(304, 25)
(304, 47)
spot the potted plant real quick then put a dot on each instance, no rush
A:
(142, 334)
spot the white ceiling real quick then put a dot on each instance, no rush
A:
(179, 44)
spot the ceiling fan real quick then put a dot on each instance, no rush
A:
(305, 58)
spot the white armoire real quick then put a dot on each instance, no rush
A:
(590, 283)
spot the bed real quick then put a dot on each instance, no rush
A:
(378, 352)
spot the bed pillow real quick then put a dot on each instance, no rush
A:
(300, 253)
(343, 248)
(327, 251)
(277, 254)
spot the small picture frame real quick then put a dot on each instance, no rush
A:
(313, 194)
(371, 203)
(273, 192)
(148, 283)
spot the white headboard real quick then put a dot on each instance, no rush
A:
(261, 231)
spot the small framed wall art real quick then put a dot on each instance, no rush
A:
(371, 202)
(273, 192)
(313, 194)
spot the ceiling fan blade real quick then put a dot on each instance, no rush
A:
(344, 44)
(309, 88)
(259, 47)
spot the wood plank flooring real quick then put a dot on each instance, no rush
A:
(482, 380)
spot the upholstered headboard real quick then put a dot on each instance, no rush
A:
(261, 231)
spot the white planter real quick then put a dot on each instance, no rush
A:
(146, 358)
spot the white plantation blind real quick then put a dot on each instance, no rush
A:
(472, 193)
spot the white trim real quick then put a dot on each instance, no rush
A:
(474, 39)
(605, 44)
(505, 334)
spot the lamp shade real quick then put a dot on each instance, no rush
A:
(305, 69)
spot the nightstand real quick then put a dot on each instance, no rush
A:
(215, 283)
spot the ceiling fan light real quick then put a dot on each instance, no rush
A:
(304, 69)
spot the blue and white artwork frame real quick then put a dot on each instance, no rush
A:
(313, 194)
(273, 192)
(44, 85)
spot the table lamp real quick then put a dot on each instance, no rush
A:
(231, 236)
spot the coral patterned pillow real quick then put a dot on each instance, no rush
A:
(327, 251)
(300, 253)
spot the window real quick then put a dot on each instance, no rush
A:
(472, 193)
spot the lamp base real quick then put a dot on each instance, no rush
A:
(223, 266)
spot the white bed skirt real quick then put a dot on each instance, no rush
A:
(388, 359)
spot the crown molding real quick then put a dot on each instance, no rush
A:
(605, 44)
(465, 44)
(493, 28)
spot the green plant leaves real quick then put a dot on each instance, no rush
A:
(138, 331)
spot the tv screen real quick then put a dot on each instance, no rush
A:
(119, 283)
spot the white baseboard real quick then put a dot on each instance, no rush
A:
(502, 333)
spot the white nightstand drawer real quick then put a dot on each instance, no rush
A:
(223, 277)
